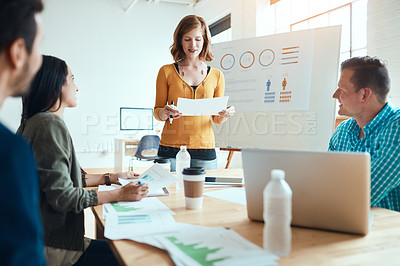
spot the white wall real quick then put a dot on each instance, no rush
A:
(384, 39)
(10, 113)
(115, 57)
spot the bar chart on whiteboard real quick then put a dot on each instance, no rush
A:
(269, 73)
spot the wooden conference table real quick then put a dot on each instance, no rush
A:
(309, 247)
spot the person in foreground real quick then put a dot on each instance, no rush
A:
(21, 240)
(374, 126)
(62, 198)
(189, 77)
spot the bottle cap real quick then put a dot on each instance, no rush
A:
(183, 147)
(277, 173)
(194, 171)
(161, 160)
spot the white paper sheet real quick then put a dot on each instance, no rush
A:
(155, 177)
(158, 192)
(198, 107)
(138, 224)
(132, 207)
(200, 245)
(154, 193)
(235, 194)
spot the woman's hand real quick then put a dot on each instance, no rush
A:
(125, 175)
(168, 110)
(225, 114)
(133, 192)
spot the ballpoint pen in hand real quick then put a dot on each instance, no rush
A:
(170, 116)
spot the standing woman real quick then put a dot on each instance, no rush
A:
(62, 198)
(189, 77)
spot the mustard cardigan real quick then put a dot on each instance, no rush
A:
(195, 132)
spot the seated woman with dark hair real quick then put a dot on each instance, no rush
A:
(62, 198)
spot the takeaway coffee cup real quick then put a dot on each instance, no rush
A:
(193, 182)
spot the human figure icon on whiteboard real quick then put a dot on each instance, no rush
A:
(285, 96)
(268, 84)
(269, 96)
(284, 83)
(189, 77)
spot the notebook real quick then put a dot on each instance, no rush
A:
(331, 190)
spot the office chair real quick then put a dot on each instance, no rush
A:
(147, 147)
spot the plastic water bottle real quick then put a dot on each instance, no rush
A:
(182, 161)
(277, 214)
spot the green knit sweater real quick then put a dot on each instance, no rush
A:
(62, 198)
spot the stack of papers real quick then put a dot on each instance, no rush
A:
(150, 221)
(200, 245)
(133, 219)
(147, 205)
(236, 194)
(148, 216)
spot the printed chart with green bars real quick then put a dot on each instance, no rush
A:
(134, 219)
(199, 254)
(123, 208)
(212, 246)
(147, 178)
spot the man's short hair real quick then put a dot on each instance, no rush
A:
(369, 72)
(17, 20)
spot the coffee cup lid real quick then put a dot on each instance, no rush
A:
(161, 160)
(194, 171)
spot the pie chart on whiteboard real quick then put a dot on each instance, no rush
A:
(266, 57)
(247, 59)
(227, 61)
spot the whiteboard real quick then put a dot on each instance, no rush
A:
(305, 119)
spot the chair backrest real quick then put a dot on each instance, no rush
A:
(148, 143)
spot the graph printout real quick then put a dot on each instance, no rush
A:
(197, 107)
(140, 223)
(269, 73)
(199, 245)
(133, 207)
(155, 177)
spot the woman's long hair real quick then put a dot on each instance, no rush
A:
(46, 88)
(187, 24)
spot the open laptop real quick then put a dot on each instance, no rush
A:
(331, 190)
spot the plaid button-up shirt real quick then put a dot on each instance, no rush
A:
(382, 142)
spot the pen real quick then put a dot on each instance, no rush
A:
(140, 183)
(170, 116)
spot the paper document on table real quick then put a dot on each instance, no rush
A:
(200, 245)
(154, 192)
(197, 107)
(107, 209)
(106, 188)
(155, 177)
(138, 224)
(235, 194)
(132, 207)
